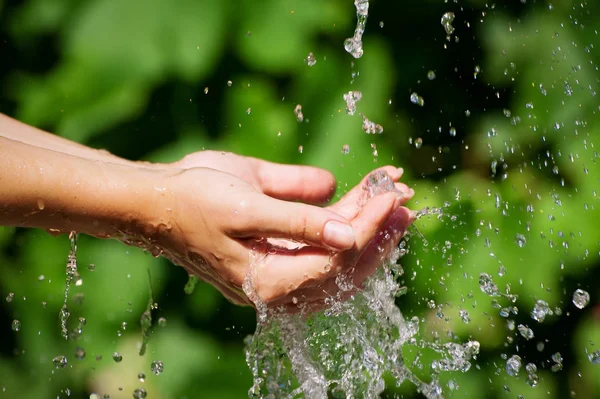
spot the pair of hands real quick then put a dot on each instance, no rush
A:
(227, 211)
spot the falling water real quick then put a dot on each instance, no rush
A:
(71, 276)
(346, 349)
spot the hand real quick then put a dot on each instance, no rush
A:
(219, 221)
(285, 182)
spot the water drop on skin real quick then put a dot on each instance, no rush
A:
(40, 205)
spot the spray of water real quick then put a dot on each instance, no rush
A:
(345, 350)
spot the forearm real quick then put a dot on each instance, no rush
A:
(52, 190)
(18, 131)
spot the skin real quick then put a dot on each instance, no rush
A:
(213, 213)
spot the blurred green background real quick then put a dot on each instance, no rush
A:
(148, 79)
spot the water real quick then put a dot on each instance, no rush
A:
(347, 349)
(157, 367)
(311, 60)
(72, 276)
(581, 298)
(354, 45)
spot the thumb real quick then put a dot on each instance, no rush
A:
(264, 216)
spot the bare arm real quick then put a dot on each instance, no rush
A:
(18, 131)
(49, 189)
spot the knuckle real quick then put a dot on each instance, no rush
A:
(299, 225)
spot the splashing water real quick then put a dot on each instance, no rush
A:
(190, 286)
(354, 45)
(370, 127)
(351, 98)
(298, 113)
(71, 276)
(146, 318)
(346, 349)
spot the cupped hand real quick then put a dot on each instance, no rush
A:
(223, 227)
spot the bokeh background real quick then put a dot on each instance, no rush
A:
(505, 143)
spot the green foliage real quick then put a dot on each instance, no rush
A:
(149, 79)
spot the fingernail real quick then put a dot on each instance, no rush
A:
(400, 172)
(338, 235)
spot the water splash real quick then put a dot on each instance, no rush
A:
(72, 275)
(370, 127)
(354, 45)
(345, 350)
(351, 98)
(190, 286)
(146, 318)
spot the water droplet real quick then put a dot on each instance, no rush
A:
(229, 83)
(446, 22)
(353, 45)
(79, 353)
(190, 286)
(464, 316)
(513, 365)
(381, 24)
(142, 377)
(370, 127)
(418, 143)
(10, 297)
(520, 240)
(298, 113)
(16, 325)
(487, 285)
(40, 204)
(140, 393)
(345, 149)
(117, 357)
(525, 331)
(417, 99)
(431, 75)
(60, 362)
(581, 298)
(92, 267)
(453, 132)
(300, 149)
(351, 98)
(595, 357)
(206, 90)
(540, 311)
(310, 59)
(162, 322)
(157, 367)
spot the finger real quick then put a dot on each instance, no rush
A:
(263, 216)
(296, 183)
(350, 204)
(380, 249)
